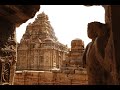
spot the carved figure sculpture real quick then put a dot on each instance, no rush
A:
(93, 58)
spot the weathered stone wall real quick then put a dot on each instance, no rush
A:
(50, 78)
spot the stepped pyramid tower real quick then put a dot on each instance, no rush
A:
(39, 48)
(73, 62)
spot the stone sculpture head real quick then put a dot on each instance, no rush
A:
(91, 31)
(102, 32)
(97, 29)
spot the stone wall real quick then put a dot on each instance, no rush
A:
(50, 78)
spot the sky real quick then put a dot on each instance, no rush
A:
(68, 21)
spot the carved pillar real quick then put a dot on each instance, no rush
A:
(12, 16)
(7, 50)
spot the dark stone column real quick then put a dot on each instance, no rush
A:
(7, 51)
(112, 18)
(115, 17)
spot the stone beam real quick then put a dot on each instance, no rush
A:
(18, 14)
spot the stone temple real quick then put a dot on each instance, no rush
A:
(73, 61)
(39, 48)
(43, 60)
(13, 16)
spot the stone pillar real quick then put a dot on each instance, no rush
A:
(112, 18)
(115, 17)
(7, 49)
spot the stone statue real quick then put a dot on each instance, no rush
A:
(93, 58)
(101, 50)
(89, 58)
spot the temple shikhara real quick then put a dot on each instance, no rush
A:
(42, 59)
(39, 48)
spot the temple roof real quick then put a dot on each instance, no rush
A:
(77, 39)
(48, 39)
